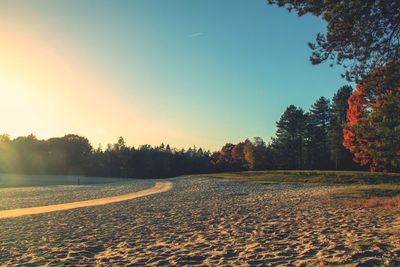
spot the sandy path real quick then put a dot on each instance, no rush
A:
(158, 188)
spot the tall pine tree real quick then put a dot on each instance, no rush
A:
(317, 134)
(289, 142)
(341, 157)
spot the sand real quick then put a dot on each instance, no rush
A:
(208, 222)
(158, 188)
(33, 196)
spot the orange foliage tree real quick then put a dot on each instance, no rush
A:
(372, 132)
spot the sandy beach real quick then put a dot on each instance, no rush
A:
(208, 222)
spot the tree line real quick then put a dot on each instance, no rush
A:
(74, 155)
(304, 140)
(321, 138)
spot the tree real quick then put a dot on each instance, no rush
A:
(361, 35)
(69, 154)
(5, 138)
(373, 128)
(225, 159)
(386, 121)
(229, 158)
(317, 134)
(238, 156)
(341, 157)
(32, 154)
(248, 156)
(289, 142)
(121, 144)
(7, 154)
(262, 158)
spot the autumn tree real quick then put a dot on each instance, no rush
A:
(373, 127)
(238, 156)
(249, 156)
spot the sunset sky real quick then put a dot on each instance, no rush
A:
(180, 72)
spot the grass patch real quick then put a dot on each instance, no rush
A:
(369, 191)
(371, 196)
(362, 189)
(322, 177)
(385, 196)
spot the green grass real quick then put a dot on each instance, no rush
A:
(322, 177)
(356, 184)
(369, 191)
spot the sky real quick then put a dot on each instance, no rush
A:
(186, 73)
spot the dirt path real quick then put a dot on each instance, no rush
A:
(158, 188)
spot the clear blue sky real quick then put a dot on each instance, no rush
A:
(206, 72)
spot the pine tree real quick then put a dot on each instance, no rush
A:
(317, 134)
(360, 35)
(341, 157)
(289, 142)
